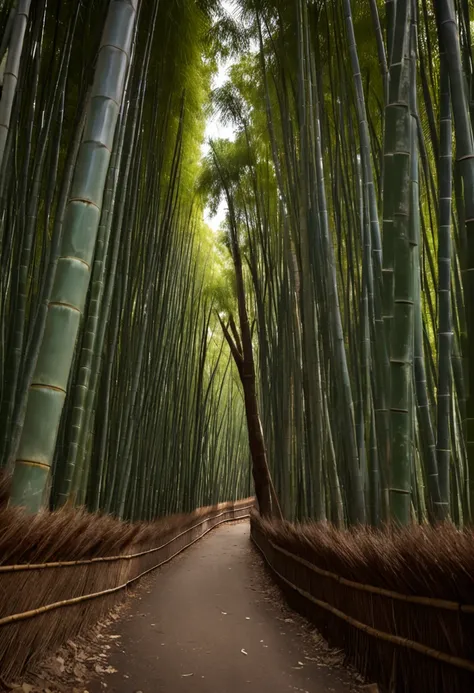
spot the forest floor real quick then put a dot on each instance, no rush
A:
(209, 621)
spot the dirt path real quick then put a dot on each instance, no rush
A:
(204, 626)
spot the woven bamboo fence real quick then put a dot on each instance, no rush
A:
(61, 572)
(400, 604)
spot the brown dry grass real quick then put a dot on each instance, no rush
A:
(72, 535)
(434, 562)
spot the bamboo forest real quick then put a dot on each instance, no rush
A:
(320, 338)
(237, 283)
(327, 321)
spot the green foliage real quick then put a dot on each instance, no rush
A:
(316, 169)
(307, 211)
(157, 432)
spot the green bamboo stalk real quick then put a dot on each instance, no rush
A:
(311, 367)
(450, 44)
(86, 380)
(354, 464)
(24, 360)
(398, 259)
(445, 334)
(10, 77)
(48, 389)
(427, 456)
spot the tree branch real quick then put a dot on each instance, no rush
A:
(233, 327)
(233, 347)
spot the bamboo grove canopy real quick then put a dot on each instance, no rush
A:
(321, 339)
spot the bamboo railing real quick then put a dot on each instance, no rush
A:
(385, 633)
(33, 595)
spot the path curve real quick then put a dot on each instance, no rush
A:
(203, 627)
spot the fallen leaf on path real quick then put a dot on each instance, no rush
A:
(104, 670)
(244, 652)
(224, 613)
(183, 675)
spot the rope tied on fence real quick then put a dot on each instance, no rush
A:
(107, 559)
(42, 605)
(394, 639)
(410, 598)
(406, 642)
(14, 618)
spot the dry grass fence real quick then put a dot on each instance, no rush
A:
(400, 603)
(61, 572)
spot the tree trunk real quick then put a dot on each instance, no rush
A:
(260, 471)
(242, 352)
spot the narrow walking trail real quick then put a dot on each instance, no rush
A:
(204, 626)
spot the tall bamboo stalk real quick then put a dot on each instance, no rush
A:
(48, 389)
